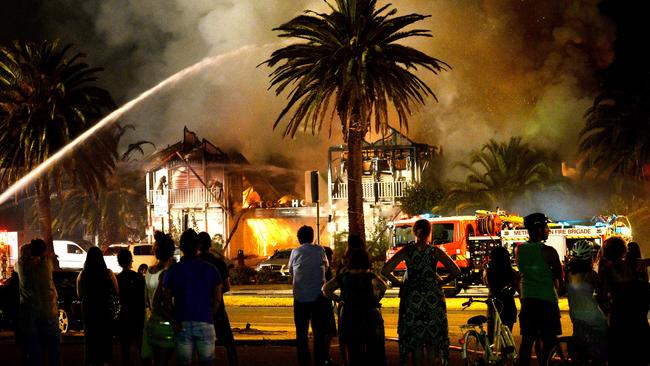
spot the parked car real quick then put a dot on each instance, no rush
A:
(142, 253)
(277, 266)
(9, 302)
(70, 254)
(69, 304)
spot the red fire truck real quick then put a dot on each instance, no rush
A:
(469, 239)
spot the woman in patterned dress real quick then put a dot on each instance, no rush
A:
(422, 326)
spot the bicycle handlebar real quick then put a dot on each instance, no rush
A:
(471, 300)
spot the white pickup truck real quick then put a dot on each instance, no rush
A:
(70, 254)
(142, 253)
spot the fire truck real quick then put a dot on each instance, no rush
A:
(469, 239)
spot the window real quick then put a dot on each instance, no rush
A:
(403, 236)
(283, 254)
(113, 250)
(143, 250)
(442, 233)
(73, 249)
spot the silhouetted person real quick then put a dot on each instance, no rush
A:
(158, 347)
(330, 320)
(192, 292)
(4, 262)
(354, 242)
(39, 322)
(541, 276)
(142, 269)
(221, 321)
(589, 322)
(307, 265)
(94, 285)
(240, 258)
(361, 326)
(503, 281)
(131, 319)
(422, 326)
(633, 258)
(628, 301)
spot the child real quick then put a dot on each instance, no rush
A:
(503, 281)
(589, 322)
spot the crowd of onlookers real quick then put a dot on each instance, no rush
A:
(175, 310)
(607, 289)
(166, 311)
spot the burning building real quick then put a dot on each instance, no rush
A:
(194, 184)
(391, 164)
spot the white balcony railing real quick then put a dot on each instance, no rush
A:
(385, 191)
(186, 197)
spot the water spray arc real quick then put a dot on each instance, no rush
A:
(113, 116)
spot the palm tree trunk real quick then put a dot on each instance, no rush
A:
(355, 192)
(45, 215)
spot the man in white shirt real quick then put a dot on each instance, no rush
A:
(307, 265)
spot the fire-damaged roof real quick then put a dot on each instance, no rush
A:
(394, 140)
(193, 149)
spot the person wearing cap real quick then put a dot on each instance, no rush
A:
(541, 276)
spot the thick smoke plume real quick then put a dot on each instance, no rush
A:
(519, 68)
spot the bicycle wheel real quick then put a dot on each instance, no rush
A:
(562, 353)
(473, 349)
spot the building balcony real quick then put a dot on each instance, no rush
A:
(372, 191)
(188, 197)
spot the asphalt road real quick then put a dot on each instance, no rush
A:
(280, 319)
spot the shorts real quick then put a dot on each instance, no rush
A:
(539, 317)
(196, 337)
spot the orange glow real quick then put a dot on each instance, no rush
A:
(271, 234)
(251, 198)
(285, 200)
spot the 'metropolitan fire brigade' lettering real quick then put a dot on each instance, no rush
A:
(586, 231)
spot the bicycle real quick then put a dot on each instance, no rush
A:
(476, 347)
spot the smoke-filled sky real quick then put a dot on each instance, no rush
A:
(520, 67)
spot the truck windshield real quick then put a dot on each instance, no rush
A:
(442, 233)
(403, 235)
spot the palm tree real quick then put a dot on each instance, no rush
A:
(118, 211)
(616, 138)
(46, 100)
(499, 173)
(350, 59)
